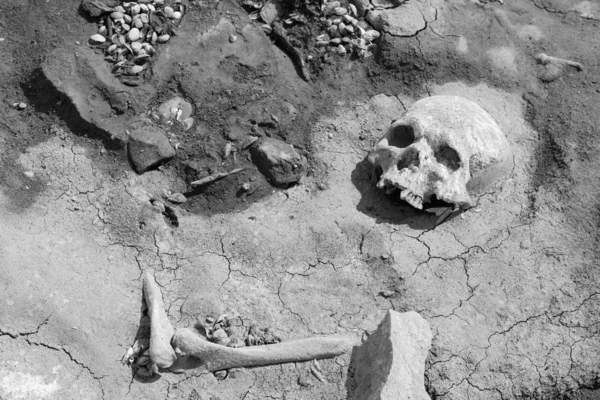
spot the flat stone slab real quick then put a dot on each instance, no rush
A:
(390, 365)
(405, 20)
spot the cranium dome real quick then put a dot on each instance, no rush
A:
(443, 146)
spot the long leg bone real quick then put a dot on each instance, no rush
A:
(161, 331)
(545, 59)
(215, 357)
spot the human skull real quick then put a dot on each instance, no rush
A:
(443, 146)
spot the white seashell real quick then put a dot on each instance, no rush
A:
(371, 35)
(176, 15)
(333, 31)
(136, 69)
(135, 9)
(155, 37)
(168, 11)
(97, 38)
(353, 10)
(349, 20)
(163, 38)
(267, 29)
(102, 30)
(133, 35)
(136, 46)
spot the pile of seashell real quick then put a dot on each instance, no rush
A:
(345, 32)
(128, 35)
(230, 331)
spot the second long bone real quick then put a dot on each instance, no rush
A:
(215, 357)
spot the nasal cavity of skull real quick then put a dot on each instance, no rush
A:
(410, 158)
(448, 157)
(401, 136)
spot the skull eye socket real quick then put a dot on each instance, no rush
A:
(401, 136)
(448, 157)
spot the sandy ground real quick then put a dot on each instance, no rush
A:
(510, 287)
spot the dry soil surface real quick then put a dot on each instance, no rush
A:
(511, 287)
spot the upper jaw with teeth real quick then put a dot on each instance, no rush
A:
(405, 194)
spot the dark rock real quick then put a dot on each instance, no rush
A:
(390, 365)
(278, 161)
(96, 8)
(148, 146)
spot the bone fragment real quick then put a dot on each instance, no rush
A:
(545, 59)
(161, 331)
(214, 177)
(215, 357)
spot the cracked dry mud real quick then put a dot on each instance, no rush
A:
(510, 288)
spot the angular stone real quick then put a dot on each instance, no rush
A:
(390, 365)
(278, 161)
(270, 11)
(96, 8)
(148, 146)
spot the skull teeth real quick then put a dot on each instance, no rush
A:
(405, 194)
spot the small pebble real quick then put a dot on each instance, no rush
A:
(168, 11)
(246, 187)
(120, 9)
(232, 39)
(176, 15)
(187, 123)
(177, 198)
(163, 38)
(22, 106)
(116, 16)
(341, 50)
(220, 375)
(136, 69)
(330, 135)
(340, 11)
